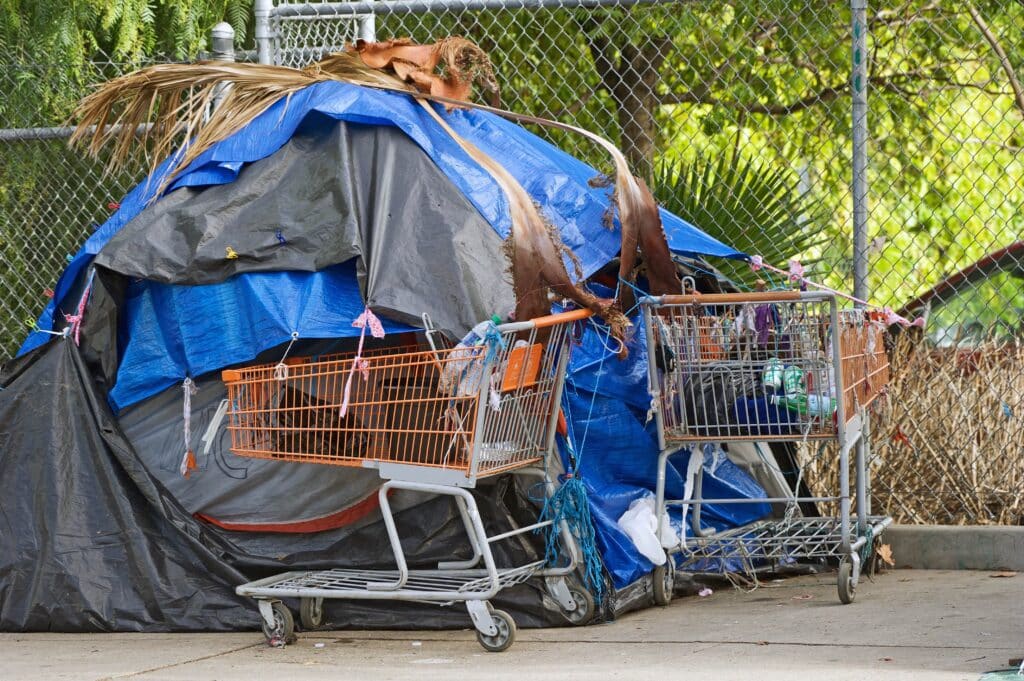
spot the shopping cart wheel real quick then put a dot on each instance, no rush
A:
(311, 613)
(283, 631)
(664, 581)
(505, 637)
(847, 591)
(584, 609)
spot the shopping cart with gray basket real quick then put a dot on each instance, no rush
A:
(761, 367)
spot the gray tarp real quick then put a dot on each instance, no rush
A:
(332, 193)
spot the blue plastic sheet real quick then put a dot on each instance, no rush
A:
(558, 182)
(170, 332)
(606, 404)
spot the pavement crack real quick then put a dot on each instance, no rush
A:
(181, 663)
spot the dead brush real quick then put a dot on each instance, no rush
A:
(947, 442)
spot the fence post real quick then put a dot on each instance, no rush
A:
(859, 94)
(261, 12)
(368, 27)
(859, 90)
(222, 48)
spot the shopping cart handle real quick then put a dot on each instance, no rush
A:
(561, 318)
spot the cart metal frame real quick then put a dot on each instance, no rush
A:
(473, 581)
(767, 540)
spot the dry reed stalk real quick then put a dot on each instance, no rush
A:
(947, 443)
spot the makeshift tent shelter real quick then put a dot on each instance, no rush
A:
(338, 197)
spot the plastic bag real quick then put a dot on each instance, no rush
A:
(640, 524)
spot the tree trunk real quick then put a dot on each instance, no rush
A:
(636, 122)
(630, 74)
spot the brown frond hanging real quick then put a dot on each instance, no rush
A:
(639, 218)
(534, 249)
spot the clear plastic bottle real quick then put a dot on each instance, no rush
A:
(772, 375)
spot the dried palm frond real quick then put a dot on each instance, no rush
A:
(639, 218)
(534, 251)
(462, 62)
(177, 98)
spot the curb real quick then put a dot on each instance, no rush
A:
(948, 547)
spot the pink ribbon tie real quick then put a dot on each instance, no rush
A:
(366, 319)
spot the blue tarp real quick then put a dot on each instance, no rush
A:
(175, 331)
(607, 408)
(557, 181)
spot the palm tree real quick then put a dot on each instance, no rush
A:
(753, 205)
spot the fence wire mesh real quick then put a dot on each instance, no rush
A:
(739, 114)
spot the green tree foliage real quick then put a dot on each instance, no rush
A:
(682, 84)
(755, 207)
(691, 81)
(54, 49)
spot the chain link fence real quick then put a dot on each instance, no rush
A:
(51, 196)
(739, 114)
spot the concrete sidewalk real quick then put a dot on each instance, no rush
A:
(907, 624)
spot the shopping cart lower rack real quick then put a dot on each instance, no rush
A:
(766, 366)
(429, 420)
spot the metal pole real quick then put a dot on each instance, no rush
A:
(262, 10)
(859, 90)
(222, 46)
(368, 27)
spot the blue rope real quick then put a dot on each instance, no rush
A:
(869, 545)
(494, 342)
(570, 504)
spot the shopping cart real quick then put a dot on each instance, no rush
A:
(755, 367)
(429, 419)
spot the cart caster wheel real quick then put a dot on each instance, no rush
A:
(847, 591)
(584, 609)
(311, 613)
(664, 582)
(505, 637)
(283, 631)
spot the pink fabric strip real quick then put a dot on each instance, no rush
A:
(796, 274)
(366, 319)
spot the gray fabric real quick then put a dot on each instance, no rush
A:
(333, 192)
(238, 489)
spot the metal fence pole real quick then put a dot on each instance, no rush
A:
(368, 27)
(261, 11)
(858, 88)
(222, 46)
(859, 91)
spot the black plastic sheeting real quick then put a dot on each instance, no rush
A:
(87, 541)
(334, 192)
(90, 540)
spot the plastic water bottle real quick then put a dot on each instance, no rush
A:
(477, 334)
(463, 369)
(772, 375)
(793, 380)
(810, 405)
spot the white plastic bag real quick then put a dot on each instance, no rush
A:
(640, 524)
